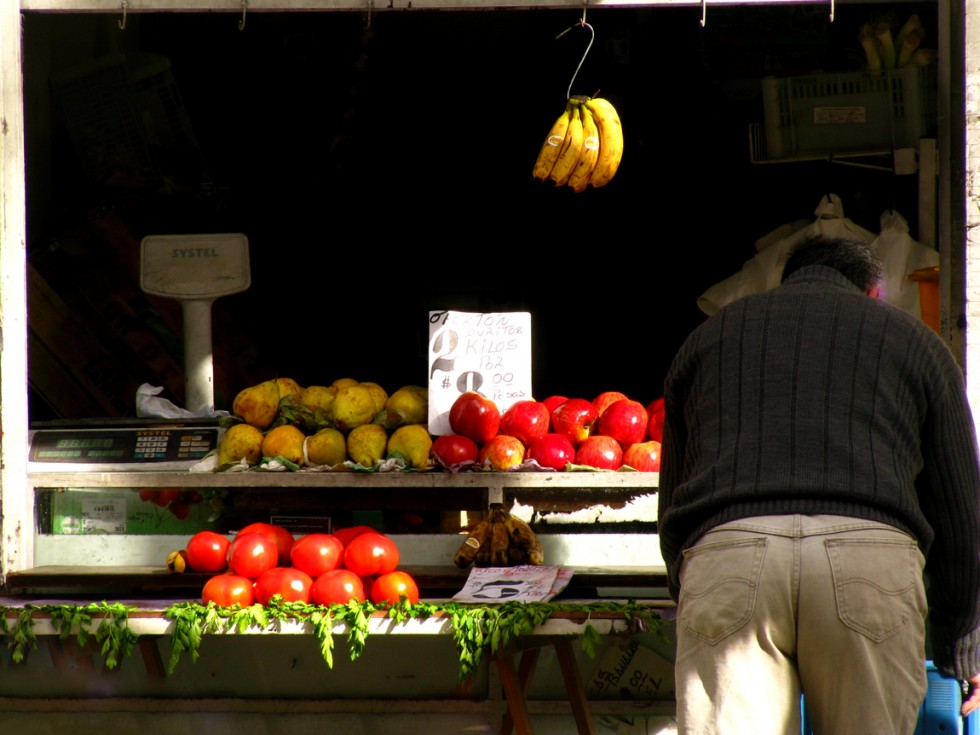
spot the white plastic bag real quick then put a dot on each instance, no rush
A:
(764, 270)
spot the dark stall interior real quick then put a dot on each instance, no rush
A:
(380, 166)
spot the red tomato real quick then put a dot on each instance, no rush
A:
(252, 554)
(293, 585)
(391, 587)
(168, 495)
(207, 551)
(317, 553)
(225, 590)
(346, 535)
(371, 553)
(337, 587)
(282, 537)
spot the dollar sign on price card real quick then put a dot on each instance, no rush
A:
(485, 352)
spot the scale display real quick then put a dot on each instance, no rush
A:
(122, 445)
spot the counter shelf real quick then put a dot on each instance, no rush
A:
(121, 564)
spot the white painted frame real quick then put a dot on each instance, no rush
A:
(957, 152)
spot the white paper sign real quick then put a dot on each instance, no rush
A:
(487, 353)
(525, 583)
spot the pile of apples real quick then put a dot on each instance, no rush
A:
(610, 432)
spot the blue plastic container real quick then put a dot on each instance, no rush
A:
(939, 713)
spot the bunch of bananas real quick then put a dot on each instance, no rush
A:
(500, 540)
(583, 147)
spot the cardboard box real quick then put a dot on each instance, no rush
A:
(629, 670)
(120, 511)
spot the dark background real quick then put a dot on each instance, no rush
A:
(381, 167)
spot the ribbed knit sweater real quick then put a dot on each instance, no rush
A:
(815, 398)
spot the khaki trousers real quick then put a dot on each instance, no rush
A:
(775, 606)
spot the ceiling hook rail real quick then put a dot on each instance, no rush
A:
(241, 23)
(581, 24)
(704, 12)
(122, 21)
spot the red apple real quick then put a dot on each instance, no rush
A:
(625, 421)
(502, 452)
(552, 450)
(605, 399)
(574, 418)
(475, 416)
(527, 420)
(655, 429)
(552, 402)
(601, 452)
(452, 450)
(643, 456)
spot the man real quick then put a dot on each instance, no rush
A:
(819, 485)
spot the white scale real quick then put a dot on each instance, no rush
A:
(195, 270)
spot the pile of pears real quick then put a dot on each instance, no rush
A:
(347, 421)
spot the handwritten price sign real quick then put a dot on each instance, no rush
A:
(487, 353)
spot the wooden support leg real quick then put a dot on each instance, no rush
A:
(525, 671)
(151, 657)
(573, 685)
(514, 691)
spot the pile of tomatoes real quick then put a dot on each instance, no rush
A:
(263, 560)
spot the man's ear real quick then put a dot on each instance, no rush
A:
(874, 292)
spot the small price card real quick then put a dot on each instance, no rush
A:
(486, 353)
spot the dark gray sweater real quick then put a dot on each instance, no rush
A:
(816, 398)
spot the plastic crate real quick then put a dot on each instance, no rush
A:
(939, 713)
(856, 111)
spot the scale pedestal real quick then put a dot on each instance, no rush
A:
(195, 270)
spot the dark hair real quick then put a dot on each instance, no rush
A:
(853, 259)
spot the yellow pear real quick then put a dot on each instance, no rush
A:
(284, 441)
(344, 382)
(318, 397)
(379, 394)
(241, 441)
(352, 407)
(288, 387)
(411, 402)
(366, 444)
(258, 404)
(413, 443)
(326, 447)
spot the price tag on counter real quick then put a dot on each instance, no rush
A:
(487, 353)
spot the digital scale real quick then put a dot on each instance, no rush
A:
(195, 270)
(121, 444)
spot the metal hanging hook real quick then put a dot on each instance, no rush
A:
(241, 23)
(580, 24)
(831, 11)
(122, 21)
(370, 9)
(704, 12)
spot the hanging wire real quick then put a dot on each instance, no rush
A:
(580, 24)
